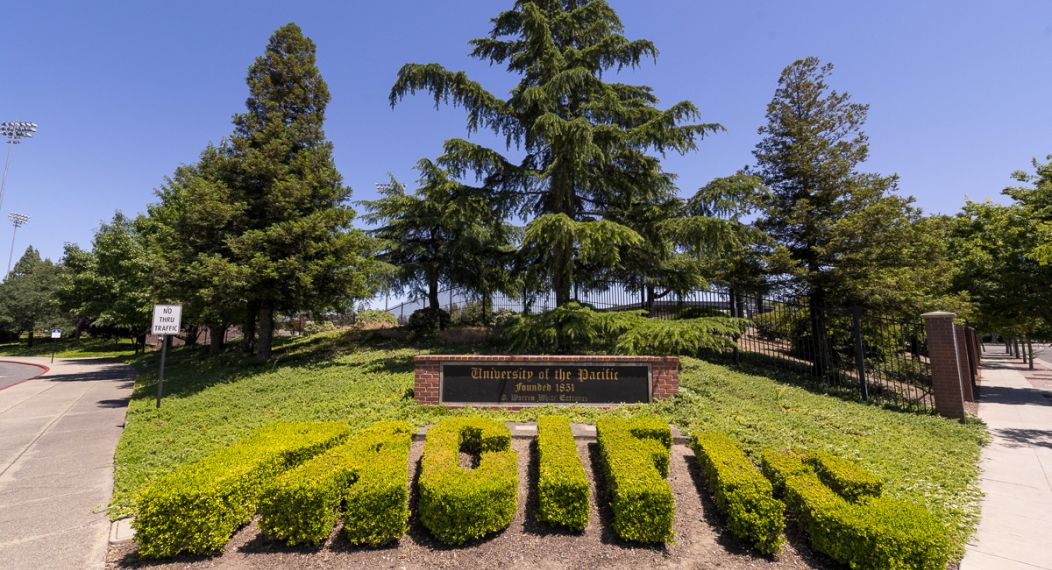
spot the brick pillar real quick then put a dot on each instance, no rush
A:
(964, 361)
(946, 374)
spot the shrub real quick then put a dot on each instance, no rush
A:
(699, 312)
(562, 484)
(844, 476)
(367, 474)
(572, 327)
(459, 504)
(197, 508)
(876, 532)
(428, 321)
(686, 337)
(634, 457)
(741, 492)
(374, 319)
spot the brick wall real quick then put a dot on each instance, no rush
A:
(664, 370)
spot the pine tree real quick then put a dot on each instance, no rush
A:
(587, 142)
(294, 247)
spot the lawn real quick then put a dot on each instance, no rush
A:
(86, 347)
(211, 401)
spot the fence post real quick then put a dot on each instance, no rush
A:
(965, 363)
(860, 351)
(734, 313)
(946, 375)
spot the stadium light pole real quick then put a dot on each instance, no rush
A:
(18, 220)
(14, 131)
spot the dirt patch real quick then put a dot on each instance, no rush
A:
(701, 538)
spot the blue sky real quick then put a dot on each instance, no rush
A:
(960, 91)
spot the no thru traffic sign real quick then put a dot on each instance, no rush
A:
(167, 319)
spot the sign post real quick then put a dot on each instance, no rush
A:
(55, 334)
(166, 321)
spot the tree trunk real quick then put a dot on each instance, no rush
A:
(248, 328)
(215, 338)
(266, 331)
(816, 306)
(561, 280)
(30, 338)
(192, 331)
(433, 301)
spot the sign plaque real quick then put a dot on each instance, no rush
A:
(545, 383)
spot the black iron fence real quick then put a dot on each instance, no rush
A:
(862, 355)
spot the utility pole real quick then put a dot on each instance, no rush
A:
(18, 220)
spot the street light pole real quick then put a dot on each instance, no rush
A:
(18, 220)
(14, 131)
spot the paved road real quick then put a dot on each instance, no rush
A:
(12, 373)
(57, 438)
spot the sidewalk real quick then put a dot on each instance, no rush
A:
(58, 434)
(1016, 470)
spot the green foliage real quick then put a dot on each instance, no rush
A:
(586, 144)
(562, 484)
(742, 493)
(374, 317)
(222, 398)
(570, 328)
(459, 504)
(364, 478)
(27, 295)
(875, 533)
(634, 457)
(685, 336)
(574, 328)
(197, 508)
(844, 476)
(428, 321)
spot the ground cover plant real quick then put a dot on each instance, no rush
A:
(459, 504)
(862, 531)
(197, 508)
(212, 401)
(634, 456)
(562, 484)
(741, 492)
(364, 479)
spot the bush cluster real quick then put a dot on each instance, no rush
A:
(364, 477)
(374, 318)
(741, 492)
(875, 532)
(562, 484)
(634, 454)
(427, 321)
(197, 508)
(459, 504)
(844, 476)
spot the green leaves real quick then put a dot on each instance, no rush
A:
(562, 484)
(634, 456)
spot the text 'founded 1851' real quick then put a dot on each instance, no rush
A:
(562, 383)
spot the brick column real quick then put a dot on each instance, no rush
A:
(946, 373)
(964, 361)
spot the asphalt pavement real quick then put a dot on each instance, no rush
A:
(58, 433)
(12, 373)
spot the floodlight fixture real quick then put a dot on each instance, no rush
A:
(18, 220)
(14, 132)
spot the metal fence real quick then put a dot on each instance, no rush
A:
(862, 355)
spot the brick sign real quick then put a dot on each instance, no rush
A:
(542, 380)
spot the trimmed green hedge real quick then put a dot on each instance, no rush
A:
(197, 508)
(876, 532)
(367, 475)
(562, 484)
(459, 504)
(844, 476)
(634, 456)
(741, 492)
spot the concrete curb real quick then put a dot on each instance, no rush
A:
(121, 531)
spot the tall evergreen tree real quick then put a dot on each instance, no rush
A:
(587, 143)
(444, 233)
(293, 247)
(28, 295)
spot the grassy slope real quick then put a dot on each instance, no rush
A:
(210, 402)
(69, 348)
